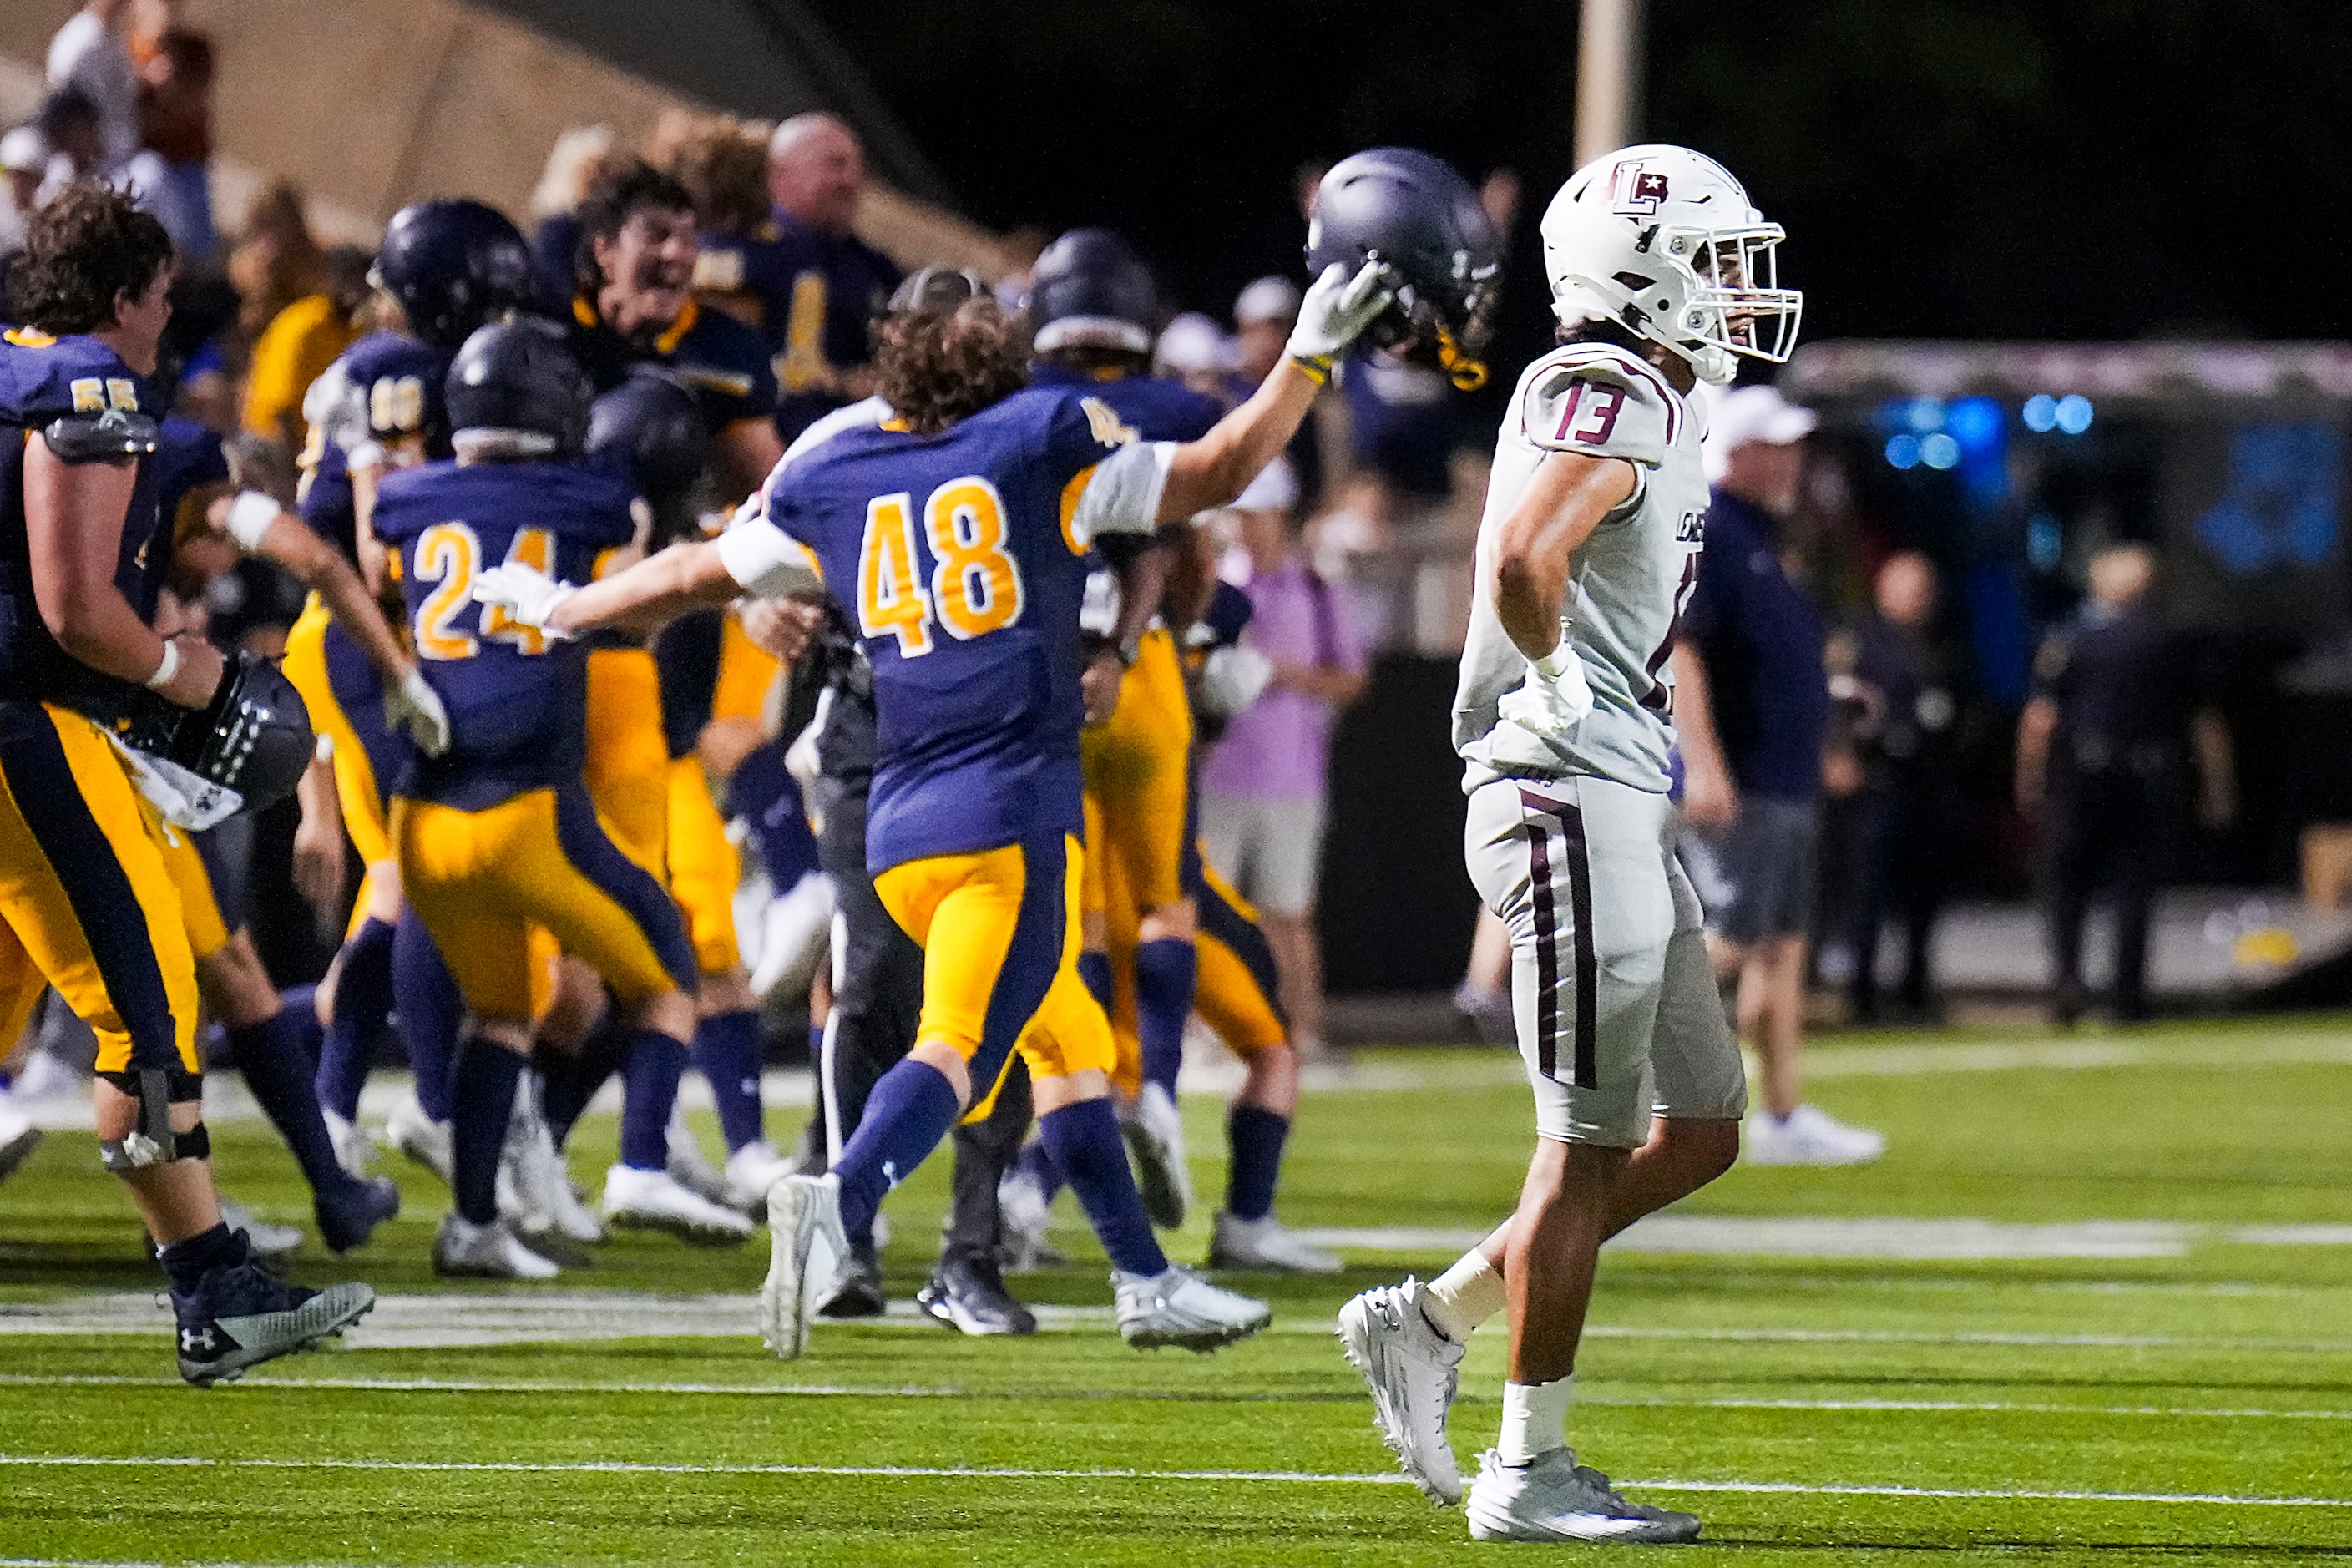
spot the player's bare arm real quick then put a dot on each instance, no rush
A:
(1569, 496)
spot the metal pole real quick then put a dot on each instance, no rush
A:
(1608, 77)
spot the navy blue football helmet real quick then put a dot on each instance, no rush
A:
(516, 391)
(453, 266)
(1414, 214)
(653, 427)
(1090, 290)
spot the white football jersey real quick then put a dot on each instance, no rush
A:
(1629, 584)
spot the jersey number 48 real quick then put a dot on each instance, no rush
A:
(974, 585)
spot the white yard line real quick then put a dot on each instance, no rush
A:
(907, 1390)
(927, 1472)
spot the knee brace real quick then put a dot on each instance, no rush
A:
(154, 1142)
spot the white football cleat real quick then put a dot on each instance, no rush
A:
(1262, 1246)
(1155, 1137)
(1556, 1498)
(18, 1136)
(752, 1171)
(1180, 1307)
(1411, 1368)
(808, 1248)
(1023, 1212)
(1809, 1137)
(353, 1151)
(270, 1241)
(419, 1137)
(653, 1200)
(542, 1180)
(465, 1250)
(688, 1166)
(795, 929)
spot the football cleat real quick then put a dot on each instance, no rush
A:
(688, 1167)
(1556, 1498)
(967, 1294)
(1180, 1307)
(18, 1136)
(348, 1216)
(653, 1200)
(751, 1172)
(1022, 1212)
(1411, 1368)
(533, 1170)
(857, 1290)
(1262, 1246)
(269, 1242)
(353, 1153)
(238, 1317)
(1155, 1137)
(808, 1248)
(419, 1137)
(464, 1250)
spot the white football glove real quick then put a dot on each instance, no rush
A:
(415, 707)
(526, 595)
(1553, 700)
(1335, 309)
(1232, 678)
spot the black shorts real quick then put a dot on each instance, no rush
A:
(1765, 867)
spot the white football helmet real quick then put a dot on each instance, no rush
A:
(1665, 242)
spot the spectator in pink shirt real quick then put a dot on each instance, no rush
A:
(1263, 786)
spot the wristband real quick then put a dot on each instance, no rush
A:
(1317, 366)
(249, 517)
(1558, 662)
(168, 669)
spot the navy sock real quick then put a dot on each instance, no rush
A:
(1165, 970)
(1038, 1162)
(1085, 1139)
(301, 1003)
(190, 1260)
(651, 1065)
(362, 998)
(1093, 968)
(907, 1111)
(1256, 1136)
(727, 1048)
(485, 1078)
(568, 1081)
(432, 1013)
(278, 1072)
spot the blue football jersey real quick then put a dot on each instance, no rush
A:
(1157, 409)
(188, 458)
(815, 296)
(722, 361)
(44, 379)
(955, 558)
(385, 389)
(517, 698)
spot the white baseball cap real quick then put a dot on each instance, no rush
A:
(1752, 413)
(1269, 299)
(1192, 342)
(24, 150)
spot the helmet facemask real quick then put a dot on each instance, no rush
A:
(1415, 328)
(1738, 306)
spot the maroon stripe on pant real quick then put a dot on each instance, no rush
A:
(1586, 1071)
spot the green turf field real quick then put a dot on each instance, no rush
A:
(2184, 1394)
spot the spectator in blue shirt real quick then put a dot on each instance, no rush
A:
(1751, 711)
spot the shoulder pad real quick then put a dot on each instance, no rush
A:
(109, 438)
(1598, 400)
(49, 378)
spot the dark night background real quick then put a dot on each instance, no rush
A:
(1944, 168)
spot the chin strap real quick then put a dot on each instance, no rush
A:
(1467, 373)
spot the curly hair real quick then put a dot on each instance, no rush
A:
(724, 168)
(82, 251)
(619, 192)
(934, 368)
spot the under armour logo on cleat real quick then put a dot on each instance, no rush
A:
(195, 1339)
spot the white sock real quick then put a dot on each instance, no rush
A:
(1464, 1297)
(1535, 1420)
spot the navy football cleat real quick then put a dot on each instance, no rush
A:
(238, 1317)
(967, 1293)
(858, 1288)
(348, 1215)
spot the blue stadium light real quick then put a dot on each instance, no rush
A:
(1974, 422)
(1940, 451)
(1924, 413)
(2074, 414)
(1903, 451)
(2040, 412)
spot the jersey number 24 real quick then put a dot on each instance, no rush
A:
(450, 553)
(974, 585)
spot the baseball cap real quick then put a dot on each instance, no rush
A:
(1752, 413)
(24, 150)
(1192, 342)
(1269, 299)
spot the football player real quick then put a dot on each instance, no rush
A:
(445, 268)
(955, 532)
(1661, 277)
(498, 835)
(86, 903)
